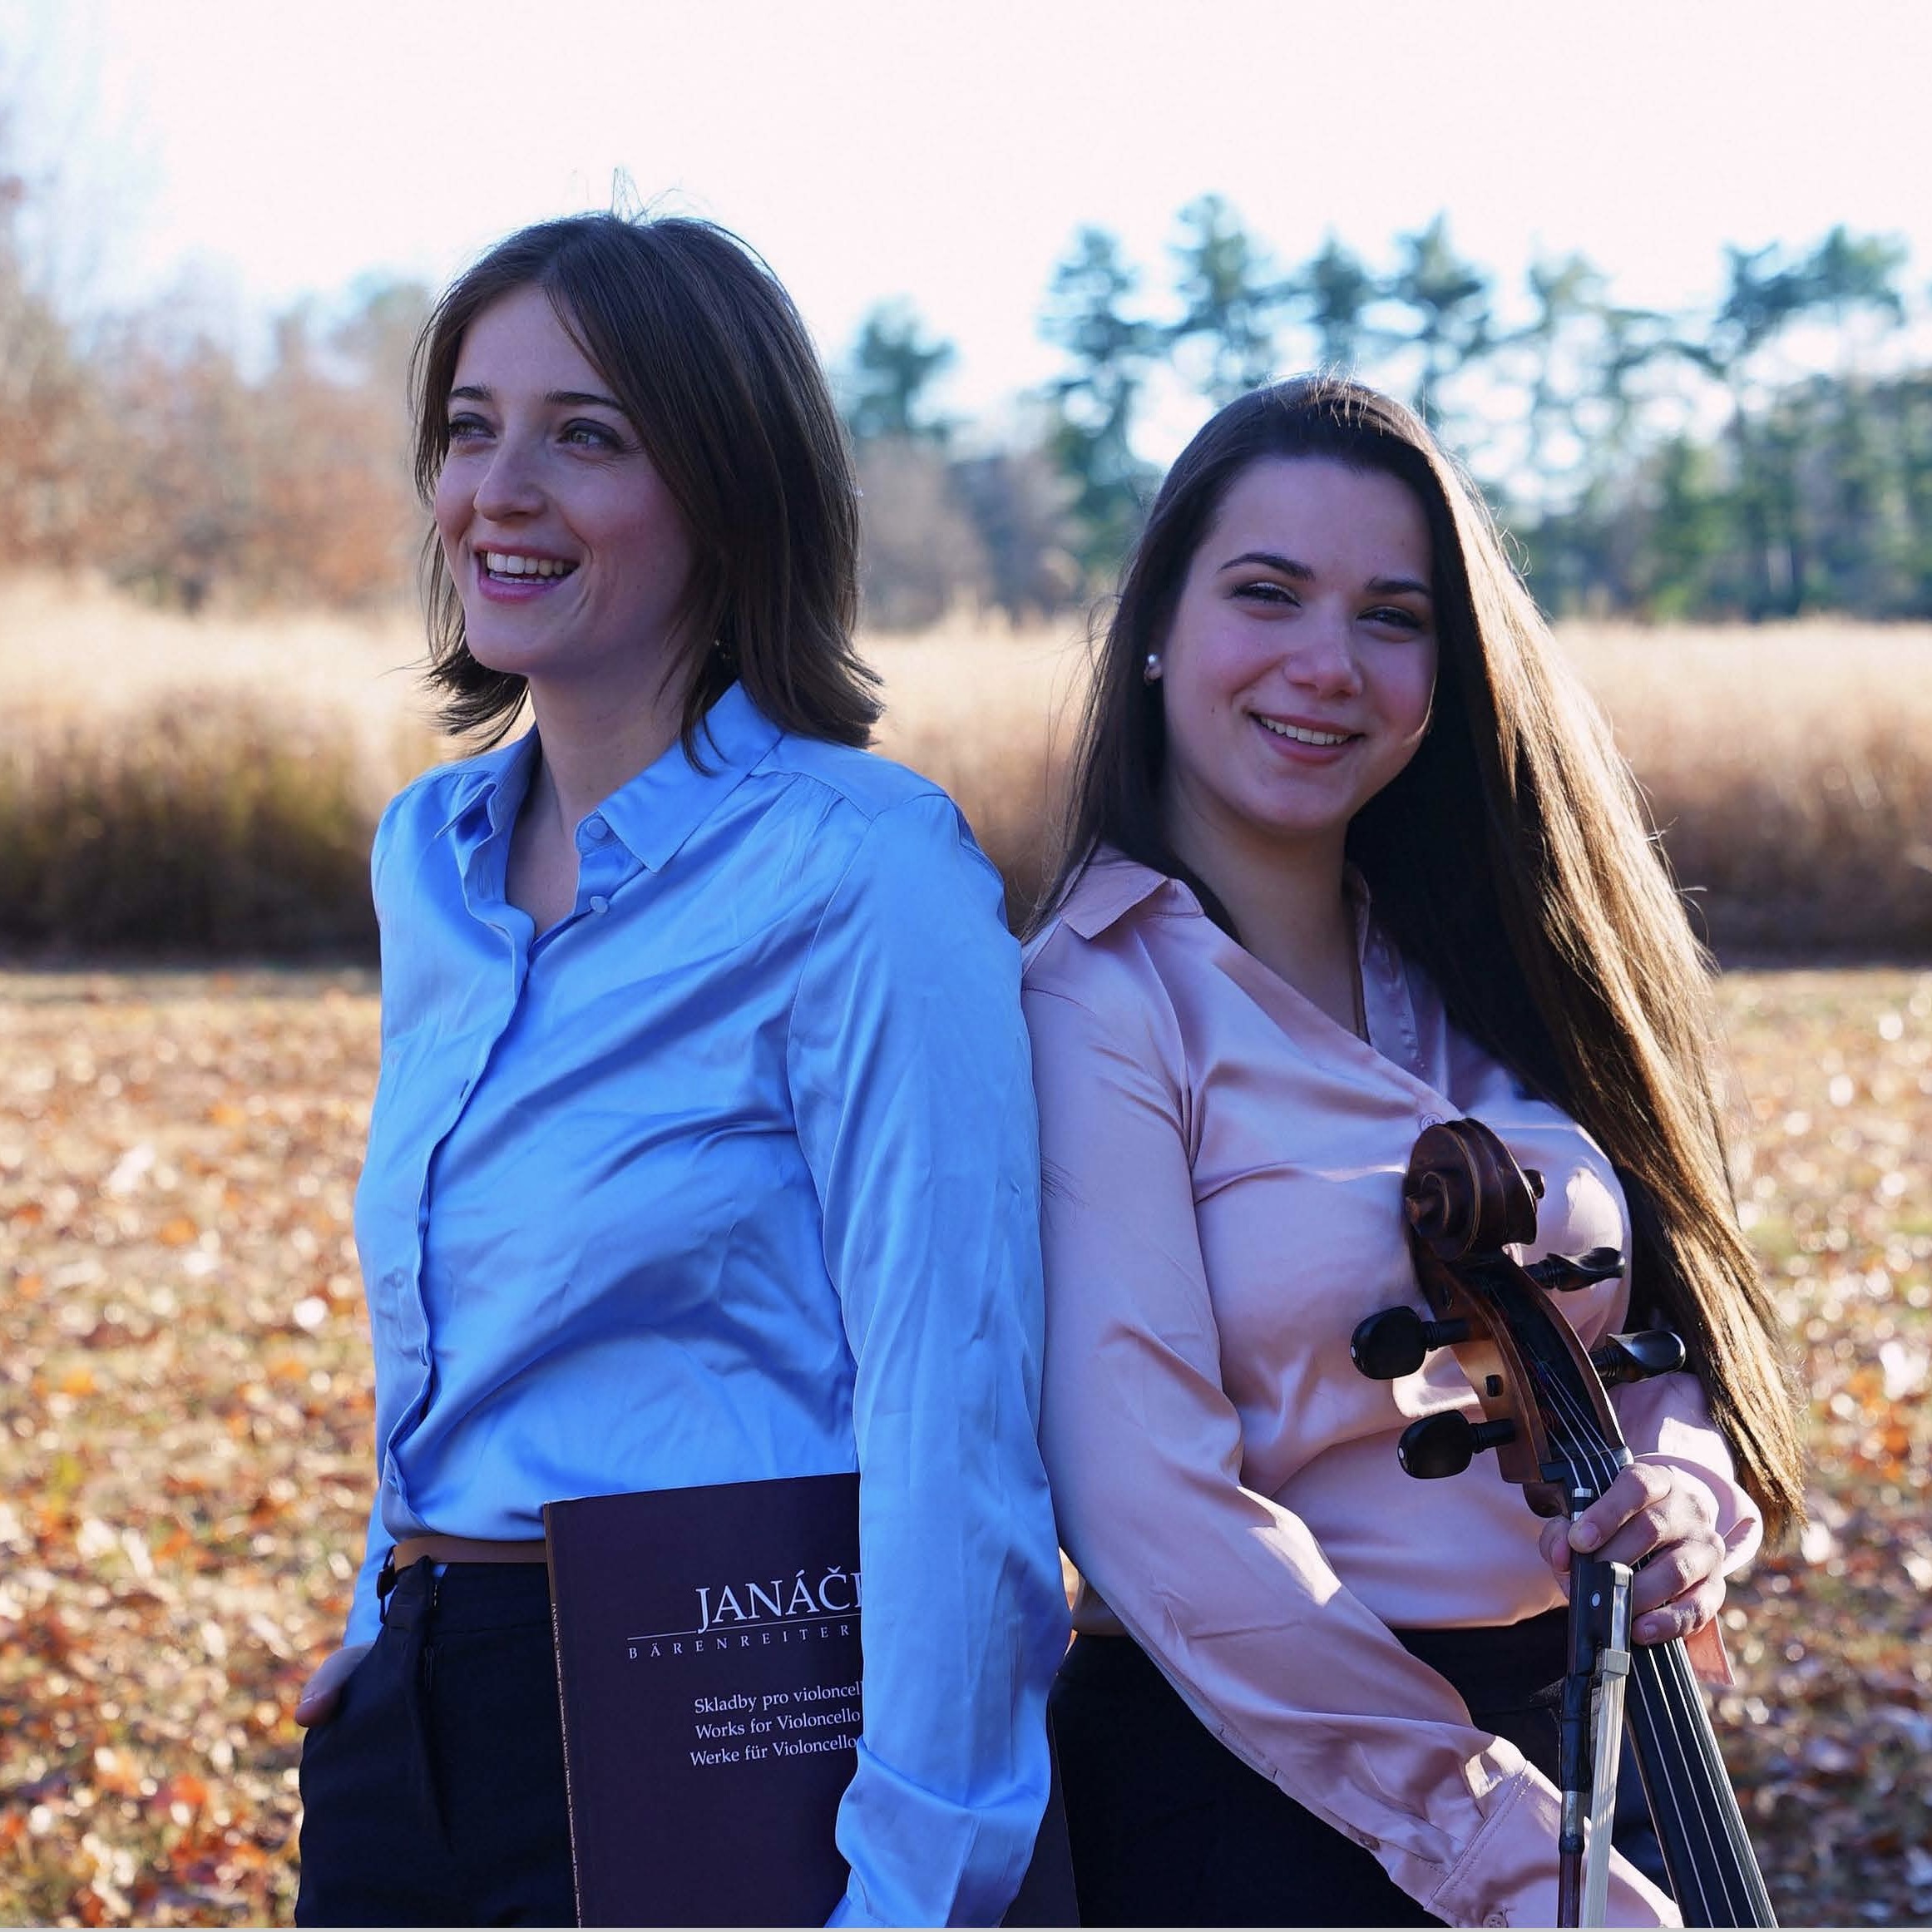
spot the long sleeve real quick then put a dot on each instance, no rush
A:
(908, 1070)
(1228, 1591)
(365, 1615)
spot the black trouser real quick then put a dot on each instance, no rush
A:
(435, 1795)
(1170, 1828)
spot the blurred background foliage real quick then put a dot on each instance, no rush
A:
(1768, 456)
(1650, 465)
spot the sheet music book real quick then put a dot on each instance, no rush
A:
(708, 1662)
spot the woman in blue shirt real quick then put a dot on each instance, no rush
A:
(704, 1149)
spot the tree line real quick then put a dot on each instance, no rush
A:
(140, 448)
(1769, 455)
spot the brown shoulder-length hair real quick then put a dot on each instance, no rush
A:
(711, 363)
(1511, 859)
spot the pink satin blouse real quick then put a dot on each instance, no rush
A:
(1222, 1170)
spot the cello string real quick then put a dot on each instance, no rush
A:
(1694, 1780)
(1589, 1475)
(1698, 1809)
(1575, 1420)
(1676, 1789)
(1679, 1682)
(1666, 1679)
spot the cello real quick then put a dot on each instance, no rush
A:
(1547, 1417)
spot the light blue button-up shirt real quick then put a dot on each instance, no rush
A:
(733, 1173)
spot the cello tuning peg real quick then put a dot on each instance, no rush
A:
(1442, 1445)
(1534, 1176)
(1395, 1342)
(1634, 1358)
(1564, 1274)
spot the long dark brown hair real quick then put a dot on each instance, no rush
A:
(1511, 859)
(711, 363)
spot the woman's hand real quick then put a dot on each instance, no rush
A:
(1662, 1517)
(323, 1692)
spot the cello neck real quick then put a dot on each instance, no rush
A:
(1706, 1849)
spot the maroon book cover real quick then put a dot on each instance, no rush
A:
(708, 1658)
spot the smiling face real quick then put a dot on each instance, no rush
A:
(566, 549)
(1299, 666)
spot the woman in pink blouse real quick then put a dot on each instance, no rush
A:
(1346, 855)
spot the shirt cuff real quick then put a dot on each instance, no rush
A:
(1508, 1875)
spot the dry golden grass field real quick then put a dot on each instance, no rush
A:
(207, 785)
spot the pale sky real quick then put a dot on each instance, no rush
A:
(946, 154)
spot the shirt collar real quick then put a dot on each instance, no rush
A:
(491, 791)
(656, 812)
(1110, 885)
(668, 801)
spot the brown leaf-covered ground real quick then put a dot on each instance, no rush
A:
(184, 1421)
